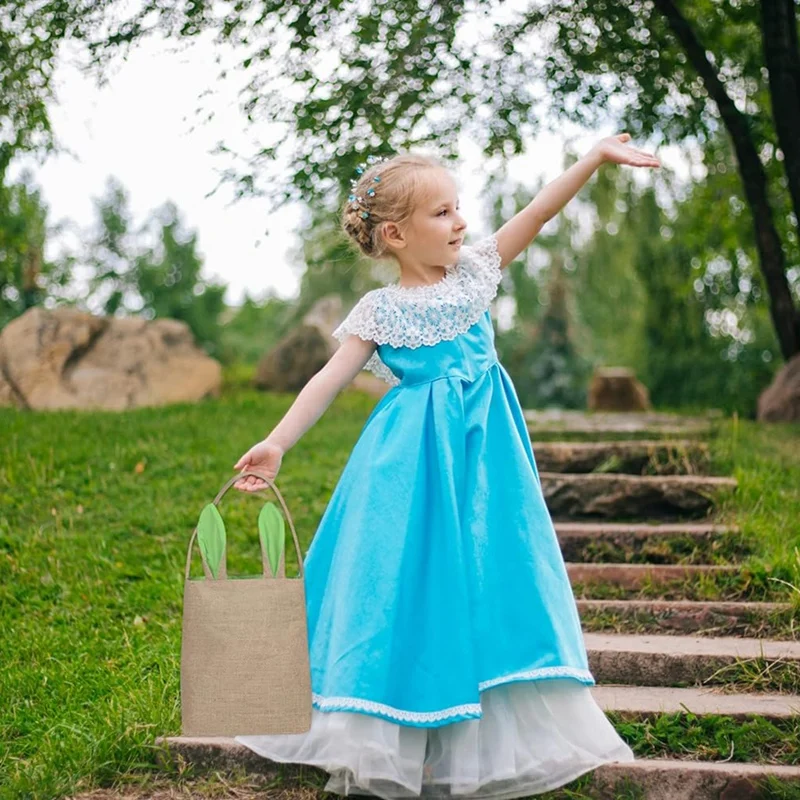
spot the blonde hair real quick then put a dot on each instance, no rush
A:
(396, 196)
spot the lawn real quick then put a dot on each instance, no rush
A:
(97, 511)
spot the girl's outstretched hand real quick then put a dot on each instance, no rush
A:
(614, 149)
(266, 458)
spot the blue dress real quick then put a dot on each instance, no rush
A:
(445, 645)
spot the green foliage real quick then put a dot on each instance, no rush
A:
(129, 276)
(168, 281)
(26, 276)
(610, 297)
(237, 377)
(404, 64)
(543, 362)
(540, 349)
(411, 80)
(633, 294)
(253, 328)
(31, 37)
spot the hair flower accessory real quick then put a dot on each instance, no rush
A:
(358, 199)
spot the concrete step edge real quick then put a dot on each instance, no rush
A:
(707, 481)
(719, 606)
(665, 779)
(653, 700)
(622, 443)
(633, 576)
(722, 647)
(598, 529)
(663, 660)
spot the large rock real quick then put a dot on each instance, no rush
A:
(616, 389)
(66, 358)
(299, 355)
(780, 401)
(293, 361)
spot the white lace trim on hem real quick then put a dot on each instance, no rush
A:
(582, 675)
(369, 706)
(358, 704)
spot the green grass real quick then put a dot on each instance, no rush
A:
(756, 580)
(729, 547)
(92, 556)
(781, 624)
(711, 737)
(765, 460)
(757, 675)
(97, 511)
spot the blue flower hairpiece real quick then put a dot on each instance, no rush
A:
(356, 199)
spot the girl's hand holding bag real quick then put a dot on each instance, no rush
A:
(244, 650)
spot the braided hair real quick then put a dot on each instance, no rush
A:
(393, 200)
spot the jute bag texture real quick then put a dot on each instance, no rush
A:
(244, 649)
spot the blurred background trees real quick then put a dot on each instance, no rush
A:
(694, 284)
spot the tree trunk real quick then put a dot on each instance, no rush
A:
(770, 250)
(779, 30)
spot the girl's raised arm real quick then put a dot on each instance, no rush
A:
(516, 234)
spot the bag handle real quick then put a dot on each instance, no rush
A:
(264, 561)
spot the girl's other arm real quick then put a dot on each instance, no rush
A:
(309, 405)
(522, 228)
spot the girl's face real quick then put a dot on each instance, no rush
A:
(436, 229)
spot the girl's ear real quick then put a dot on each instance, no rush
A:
(393, 236)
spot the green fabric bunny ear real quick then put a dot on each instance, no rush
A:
(272, 531)
(211, 537)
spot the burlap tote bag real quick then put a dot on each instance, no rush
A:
(244, 649)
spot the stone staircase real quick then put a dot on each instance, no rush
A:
(634, 518)
(633, 511)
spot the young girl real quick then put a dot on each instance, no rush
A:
(446, 651)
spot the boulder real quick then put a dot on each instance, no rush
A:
(6, 394)
(65, 358)
(293, 361)
(616, 389)
(299, 355)
(780, 401)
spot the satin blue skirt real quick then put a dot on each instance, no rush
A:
(436, 556)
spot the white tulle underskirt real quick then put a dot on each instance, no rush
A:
(533, 737)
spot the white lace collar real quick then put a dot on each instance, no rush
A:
(412, 316)
(425, 290)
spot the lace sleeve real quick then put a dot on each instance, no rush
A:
(482, 261)
(361, 322)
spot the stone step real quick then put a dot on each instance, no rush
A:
(659, 543)
(663, 660)
(626, 496)
(664, 779)
(710, 618)
(650, 779)
(647, 701)
(601, 424)
(635, 576)
(645, 456)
